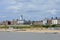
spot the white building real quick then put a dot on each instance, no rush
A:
(54, 21)
(20, 22)
(44, 21)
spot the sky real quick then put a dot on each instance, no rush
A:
(30, 9)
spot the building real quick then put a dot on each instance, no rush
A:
(14, 22)
(56, 21)
(49, 22)
(21, 21)
(6, 22)
(59, 21)
(29, 22)
(45, 21)
(37, 22)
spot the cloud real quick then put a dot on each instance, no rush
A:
(2, 16)
(30, 7)
(41, 5)
(7, 1)
(53, 11)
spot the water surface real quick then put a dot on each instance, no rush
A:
(28, 36)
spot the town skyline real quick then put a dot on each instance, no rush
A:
(21, 17)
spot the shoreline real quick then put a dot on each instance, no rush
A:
(42, 31)
(36, 31)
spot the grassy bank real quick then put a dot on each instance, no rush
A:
(27, 26)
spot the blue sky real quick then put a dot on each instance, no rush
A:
(30, 9)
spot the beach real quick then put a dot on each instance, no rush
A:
(30, 30)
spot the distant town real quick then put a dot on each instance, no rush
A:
(22, 21)
(31, 26)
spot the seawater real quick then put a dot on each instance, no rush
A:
(28, 36)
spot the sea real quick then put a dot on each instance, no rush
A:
(29, 36)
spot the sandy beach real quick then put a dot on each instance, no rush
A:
(42, 31)
(30, 30)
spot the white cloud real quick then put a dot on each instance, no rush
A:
(25, 5)
(2, 16)
(12, 8)
(11, 1)
(53, 11)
